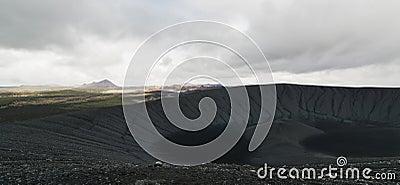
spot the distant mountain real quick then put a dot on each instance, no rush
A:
(104, 84)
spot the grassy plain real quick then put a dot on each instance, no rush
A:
(23, 105)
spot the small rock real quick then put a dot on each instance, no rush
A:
(145, 182)
(166, 165)
(158, 164)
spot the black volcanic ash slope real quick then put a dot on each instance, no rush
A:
(312, 124)
(375, 106)
(356, 122)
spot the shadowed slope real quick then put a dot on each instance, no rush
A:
(308, 122)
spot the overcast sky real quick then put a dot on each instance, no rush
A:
(337, 42)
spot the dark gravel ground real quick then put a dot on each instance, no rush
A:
(105, 172)
(115, 172)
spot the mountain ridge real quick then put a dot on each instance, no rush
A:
(103, 84)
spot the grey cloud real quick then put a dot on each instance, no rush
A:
(298, 37)
(316, 35)
(46, 24)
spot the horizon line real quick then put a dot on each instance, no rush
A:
(275, 83)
